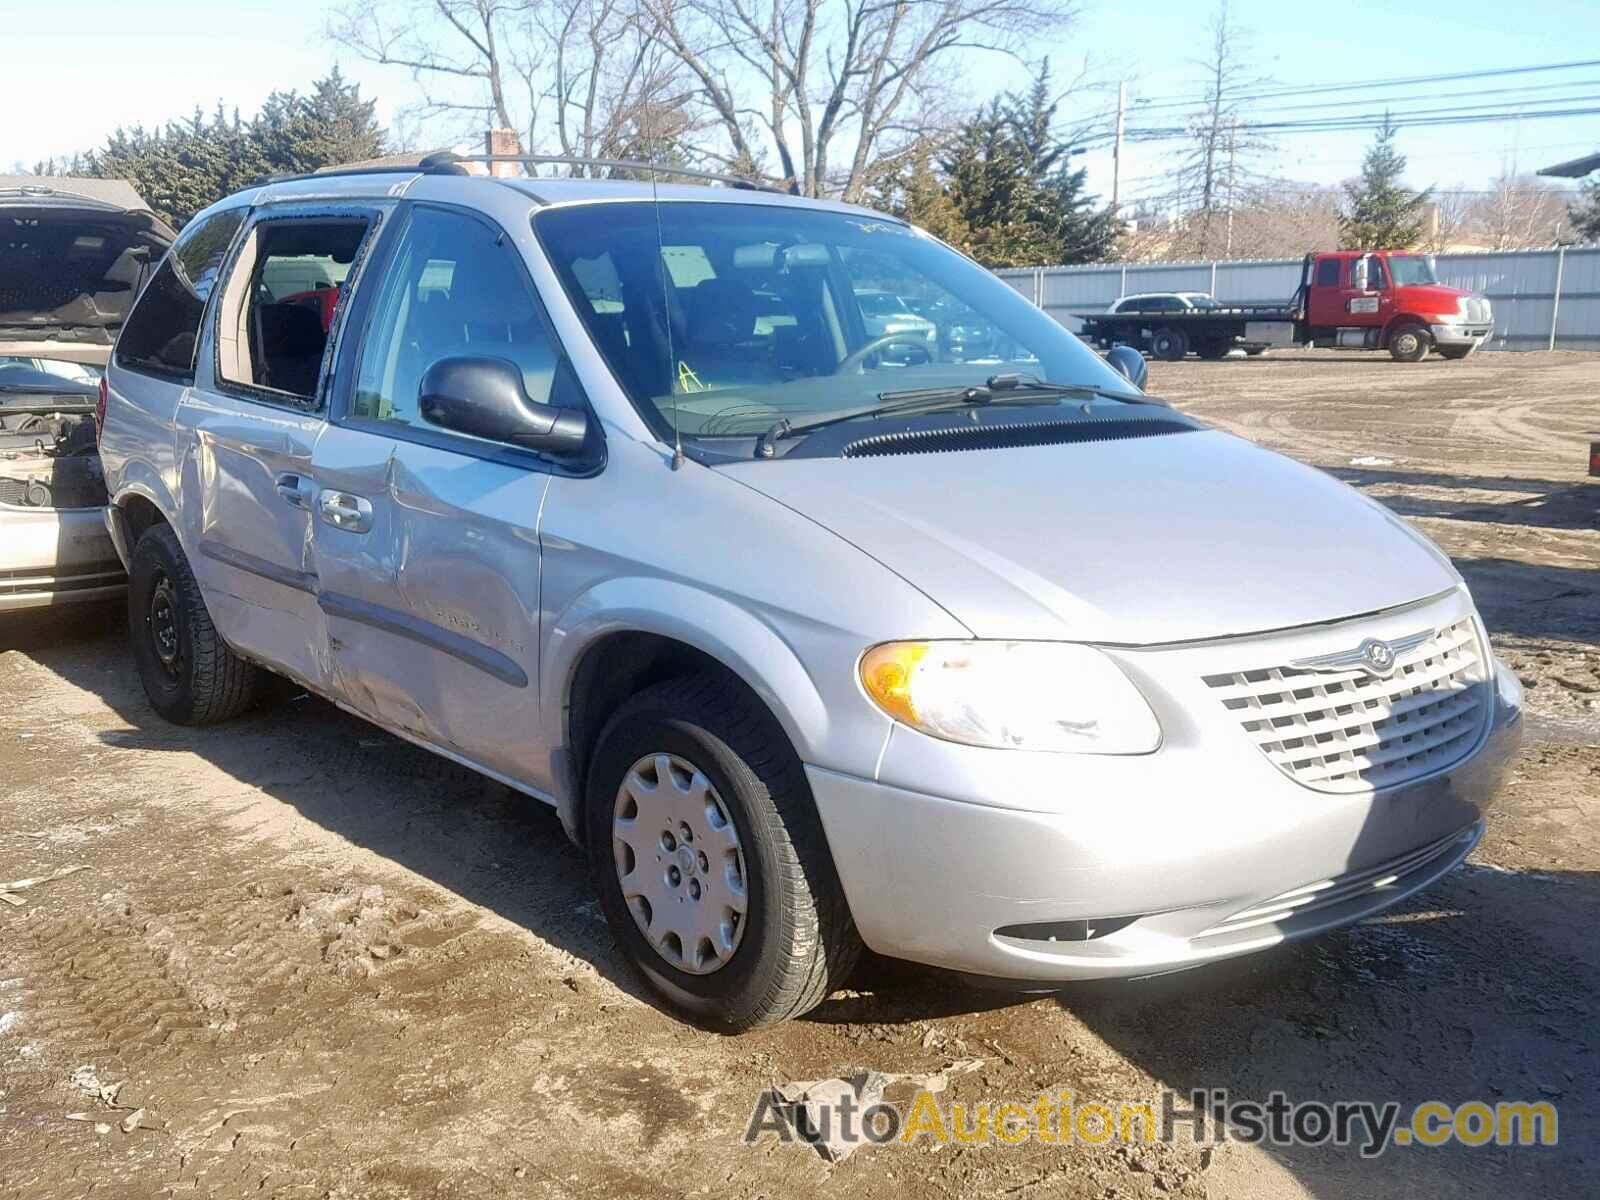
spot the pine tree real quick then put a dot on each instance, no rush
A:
(1382, 213)
(1001, 191)
(190, 164)
(1586, 215)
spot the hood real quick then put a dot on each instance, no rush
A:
(73, 254)
(1432, 297)
(1137, 542)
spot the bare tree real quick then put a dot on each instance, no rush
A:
(584, 78)
(1219, 166)
(1447, 217)
(834, 88)
(1520, 212)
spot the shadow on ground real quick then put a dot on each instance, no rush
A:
(1481, 989)
(476, 838)
(1539, 503)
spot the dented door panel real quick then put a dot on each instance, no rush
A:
(433, 613)
(249, 465)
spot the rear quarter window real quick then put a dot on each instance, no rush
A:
(163, 331)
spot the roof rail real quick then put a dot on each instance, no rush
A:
(448, 163)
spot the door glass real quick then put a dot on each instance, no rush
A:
(454, 288)
(1328, 272)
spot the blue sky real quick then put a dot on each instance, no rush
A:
(75, 70)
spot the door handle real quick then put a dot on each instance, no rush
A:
(296, 489)
(344, 511)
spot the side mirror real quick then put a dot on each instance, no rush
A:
(1358, 274)
(485, 397)
(1130, 364)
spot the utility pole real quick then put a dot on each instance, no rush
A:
(1233, 146)
(1116, 148)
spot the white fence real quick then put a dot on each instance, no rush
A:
(1542, 299)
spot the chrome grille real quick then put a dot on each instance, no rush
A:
(1476, 309)
(1347, 729)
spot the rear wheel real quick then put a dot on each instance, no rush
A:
(710, 859)
(1214, 348)
(188, 671)
(1409, 343)
(1455, 353)
(1169, 345)
(1255, 351)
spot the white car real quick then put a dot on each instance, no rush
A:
(1162, 302)
(74, 253)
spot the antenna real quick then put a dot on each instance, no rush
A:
(666, 313)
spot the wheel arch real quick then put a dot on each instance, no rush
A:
(135, 508)
(629, 634)
(1400, 319)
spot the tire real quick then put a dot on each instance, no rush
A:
(1454, 353)
(796, 941)
(1169, 345)
(1214, 350)
(1410, 343)
(188, 671)
(1255, 351)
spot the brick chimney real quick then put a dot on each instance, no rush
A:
(503, 141)
(1431, 219)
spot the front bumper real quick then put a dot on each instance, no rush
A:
(56, 556)
(1463, 334)
(1210, 855)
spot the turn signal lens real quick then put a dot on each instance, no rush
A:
(886, 674)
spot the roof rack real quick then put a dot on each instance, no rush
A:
(448, 163)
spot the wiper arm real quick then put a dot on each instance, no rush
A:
(938, 399)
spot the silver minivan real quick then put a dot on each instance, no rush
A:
(815, 638)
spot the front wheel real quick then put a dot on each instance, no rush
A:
(189, 673)
(710, 859)
(1409, 343)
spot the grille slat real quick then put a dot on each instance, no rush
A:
(1346, 730)
(1362, 713)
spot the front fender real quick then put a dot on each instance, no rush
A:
(715, 626)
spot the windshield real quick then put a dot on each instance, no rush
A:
(1411, 269)
(791, 313)
(1202, 301)
(19, 374)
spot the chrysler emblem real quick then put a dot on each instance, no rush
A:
(1377, 657)
(1374, 656)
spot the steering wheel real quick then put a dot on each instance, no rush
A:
(853, 361)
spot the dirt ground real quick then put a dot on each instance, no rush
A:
(325, 963)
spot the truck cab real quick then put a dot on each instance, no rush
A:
(1389, 300)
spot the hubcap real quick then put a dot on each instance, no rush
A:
(680, 864)
(163, 626)
(1408, 343)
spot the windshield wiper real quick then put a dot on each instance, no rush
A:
(941, 399)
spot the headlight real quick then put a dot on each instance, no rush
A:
(1012, 695)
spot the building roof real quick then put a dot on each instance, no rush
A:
(115, 193)
(1575, 168)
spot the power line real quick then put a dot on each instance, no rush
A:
(1542, 87)
(1332, 88)
(1426, 118)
